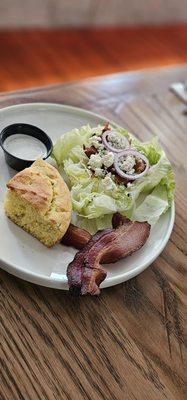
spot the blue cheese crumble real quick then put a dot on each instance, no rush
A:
(127, 164)
(95, 161)
(99, 172)
(116, 140)
(99, 160)
(96, 142)
(108, 159)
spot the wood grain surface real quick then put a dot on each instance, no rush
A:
(130, 342)
(39, 57)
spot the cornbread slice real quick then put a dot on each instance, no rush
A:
(39, 201)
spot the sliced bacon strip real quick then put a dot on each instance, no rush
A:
(106, 127)
(76, 237)
(89, 150)
(119, 220)
(76, 269)
(85, 273)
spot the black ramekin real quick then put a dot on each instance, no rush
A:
(26, 129)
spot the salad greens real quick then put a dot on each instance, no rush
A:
(146, 198)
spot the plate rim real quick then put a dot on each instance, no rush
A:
(67, 106)
(58, 283)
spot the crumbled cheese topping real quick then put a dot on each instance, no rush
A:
(113, 137)
(104, 158)
(99, 172)
(96, 142)
(108, 159)
(116, 140)
(127, 164)
(108, 183)
(131, 171)
(95, 161)
(100, 161)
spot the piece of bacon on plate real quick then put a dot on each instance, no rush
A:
(85, 273)
(76, 237)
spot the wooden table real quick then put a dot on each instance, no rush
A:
(129, 343)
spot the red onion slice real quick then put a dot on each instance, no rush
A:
(109, 146)
(136, 154)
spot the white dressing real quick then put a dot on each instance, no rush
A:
(25, 147)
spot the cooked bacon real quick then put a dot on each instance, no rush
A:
(128, 238)
(118, 178)
(119, 220)
(106, 127)
(121, 180)
(85, 273)
(76, 270)
(76, 237)
(89, 150)
(139, 166)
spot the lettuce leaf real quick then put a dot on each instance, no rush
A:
(160, 173)
(76, 172)
(70, 145)
(89, 201)
(95, 224)
(153, 206)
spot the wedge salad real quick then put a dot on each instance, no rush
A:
(109, 170)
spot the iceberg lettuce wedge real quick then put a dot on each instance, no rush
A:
(147, 198)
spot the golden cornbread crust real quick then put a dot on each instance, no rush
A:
(39, 201)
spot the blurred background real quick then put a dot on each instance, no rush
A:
(50, 41)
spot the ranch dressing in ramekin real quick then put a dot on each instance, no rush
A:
(25, 147)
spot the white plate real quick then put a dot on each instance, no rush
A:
(24, 256)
